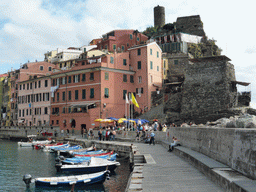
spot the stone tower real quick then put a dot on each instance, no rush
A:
(159, 16)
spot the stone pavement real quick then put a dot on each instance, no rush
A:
(171, 173)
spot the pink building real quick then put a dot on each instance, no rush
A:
(96, 87)
(34, 89)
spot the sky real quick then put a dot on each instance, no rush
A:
(30, 28)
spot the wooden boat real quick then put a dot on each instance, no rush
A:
(76, 180)
(49, 148)
(41, 146)
(80, 160)
(32, 143)
(88, 152)
(83, 150)
(92, 166)
(94, 155)
(65, 151)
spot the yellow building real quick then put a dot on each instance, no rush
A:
(165, 67)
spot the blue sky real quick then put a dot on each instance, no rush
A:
(29, 28)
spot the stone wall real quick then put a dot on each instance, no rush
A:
(207, 88)
(177, 63)
(191, 25)
(233, 147)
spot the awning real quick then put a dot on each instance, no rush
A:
(174, 83)
(241, 83)
(81, 105)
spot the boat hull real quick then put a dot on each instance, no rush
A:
(100, 178)
(90, 169)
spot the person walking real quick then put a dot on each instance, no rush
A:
(100, 134)
(152, 138)
(104, 134)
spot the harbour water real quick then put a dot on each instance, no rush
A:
(17, 161)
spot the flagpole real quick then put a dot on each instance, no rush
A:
(125, 111)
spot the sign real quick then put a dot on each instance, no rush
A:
(93, 123)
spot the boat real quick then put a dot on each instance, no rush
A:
(94, 155)
(42, 146)
(75, 160)
(49, 148)
(77, 180)
(92, 166)
(88, 152)
(65, 151)
(31, 142)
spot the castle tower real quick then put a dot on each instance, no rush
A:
(159, 16)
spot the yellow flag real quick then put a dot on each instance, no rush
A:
(134, 101)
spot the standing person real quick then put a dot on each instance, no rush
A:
(67, 132)
(100, 134)
(73, 131)
(62, 133)
(155, 126)
(110, 135)
(104, 134)
(152, 138)
(114, 134)
(82, 132)
(107, 134)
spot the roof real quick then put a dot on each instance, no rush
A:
(241, 83)
(213, 58)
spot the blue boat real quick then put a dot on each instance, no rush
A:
(88, 152)
(77, 180)
(92, 166)
(65, 151)
(79, 160)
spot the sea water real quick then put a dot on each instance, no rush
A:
(16, 161)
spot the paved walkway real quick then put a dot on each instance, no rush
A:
(171, 173)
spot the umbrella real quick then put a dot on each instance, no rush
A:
(104, 120)
(112, 118)
(124, 120)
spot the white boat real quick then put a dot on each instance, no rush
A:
(32, 143)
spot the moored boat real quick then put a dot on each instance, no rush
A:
(92, 166)
(94, 155)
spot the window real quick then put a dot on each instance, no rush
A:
(139, 64)
(157, 68)
(30, 85)
(58, 81)
(58, 96)
(77, 78)
(27, 86)
(122, 48)
(164, 64)
(84, 94)
(106, 76)
(20, 87)
(92, 93)
(131, 79)
(124, 94)
(106, 93)
(69, 79)
(63, 96)
(157, 54)
(138, 39)
(114, 47)
(23, 86)
(106, 47)
(41, 68)
(124, 62)
(57, 122)
(64, 80)
(140, 79)
(112, 60)
(83, 77)
(39, 84)
(76, 94)
(151, 65)
(176, 62)
(50, 69)
(46, 83)
(91, 76)
(124, 78)
(151, 52)
(130, 36)
(35, 84)
(138, 52)
(53, 82)
(63, 110)
(46, 110)
(69, 95)
(83, 63)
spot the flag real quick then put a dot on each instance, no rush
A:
(126, 99)
(134, 101)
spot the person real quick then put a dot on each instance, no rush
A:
(152, 138)
(73, 131)
(91, 134)
(137, 136)
(67, 132)
(104, 134)
(110, 135)
(55, 133)
(155, 126)
(114, 134)
(100, 134)
(62, 133)
(175, 143)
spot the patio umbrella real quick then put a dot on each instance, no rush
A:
(98, 120)
(112, 118)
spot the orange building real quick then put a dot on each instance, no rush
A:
(96, 86)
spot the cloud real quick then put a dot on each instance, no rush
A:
(250, 50)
